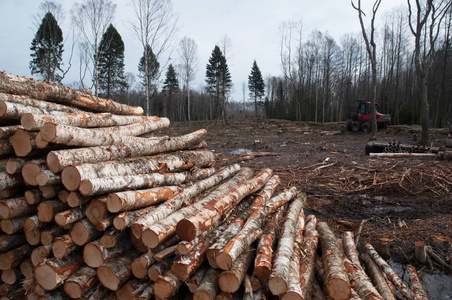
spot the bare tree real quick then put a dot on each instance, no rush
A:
(154, 25)
(425, 27)
(55, 8)
(189, 57)
(371, 48)
(91, 18)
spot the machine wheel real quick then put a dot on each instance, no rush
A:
(356, 126)
(366, 127)
(348, 126)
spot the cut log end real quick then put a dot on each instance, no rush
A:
(73, 289)
(4, 211)
(53, 163)
(27, 121)
(119, 223)
(114, 203)
(7, 226)
(93, 256)
(138, 270)
(185, 230)
(79, 234)
(180, 271)
(46, 277)
(70, 177)
(86, 187)
(108, 278)
(150, 238)
(163, 289)
(228, 282)
(42, 178)
(48, 132)
(137, 230)
(224, 261)
(277, 285)
(338, 289)
(262, 272)
(292, 296)
(45, 212)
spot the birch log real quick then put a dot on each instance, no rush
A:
(84, 232)
(336, 279)
(188, 228)
(57, 160)
(167, 285)
(53, 272)
(195, 280)
(251, 230)
(95, 254)
(15, 207)
(208, 288)
(378, 279)
(264, 251)
(16, 110)
(76, 136)
(69, 216)
(114, 273)
(390, 274)
(183, 198)
(31, 168)
(415, 283)
(45, 90)
(8, 242)
(79, 282)
(129, 200)
(141, 264)
(7, 131)
(131, 289)
(63, 246)
(165, 228)
(230, 281)
(14, 225)
(45, 105)
(280, 272)
(23, 143)
(73, 175)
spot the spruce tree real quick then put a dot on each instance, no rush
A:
(47, 49)
(256, 85)
(218, 79)
(111, 63)
(170, 88)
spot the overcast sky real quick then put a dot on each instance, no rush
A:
(251, 25)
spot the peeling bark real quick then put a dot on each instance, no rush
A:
(80, 282)
(208, 288)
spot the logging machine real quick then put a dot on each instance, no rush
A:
(361, 118)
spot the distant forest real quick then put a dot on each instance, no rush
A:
(321, 78)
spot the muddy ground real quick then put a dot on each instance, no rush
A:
(328, 164)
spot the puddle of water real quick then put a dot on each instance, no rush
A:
(438, 286)
(240, 150)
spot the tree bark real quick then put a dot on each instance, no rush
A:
(167, 285)
(188, 228)
(114, 273)
(336, 279)
(7, 131)
(76, 136)
(15, 207)
(230, 281)
(8, 242)
(95, 254)
(195, 280)
(140, 265)
(46, 177)
(84, 232)
(129, 200)
(73, 175)
(63, 246)
(80, 282)
(90, 187)
(15, 111)
(14, 225)
(50, 91)
(10, 181)
(160, 231)
(378, 278)
(53, 272)
(15, 256)
(415, 283)
(208, 288)
(45, 105)
(57, 160)
(389, 273)
(279, 276)
(131, 289)
(252, 229)
(40, 253)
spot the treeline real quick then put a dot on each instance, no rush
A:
(322, 78)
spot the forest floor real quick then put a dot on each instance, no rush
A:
(342, 183)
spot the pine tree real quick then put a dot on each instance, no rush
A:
(47, 47)
(218, 79)
(256, 85)
(170, 88)
(111, 63)
(152, 73)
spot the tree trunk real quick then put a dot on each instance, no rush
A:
(80, 282)
(415, 284)
(76, 136)
(11, 226)
(336, 279)
(45, 105)
(46, 90)
(10, 181)
(230, 281)
(15, 207)
(63, 246)
(15, 111)
(73, 175)
(125, 219)
(147, 292)
(281, 267)
(89, 187)
(129, 200)
(378, 279)
(114, 273)
(58, 160)
(84, 232)
(208, 288)
(47, 210)
(95, 254)
(181, 199)
(389, 273)
(251, 230)
(160, 231)
(264, 252)
(167, 285)
(189, 228)
(53, 272)
(12, 276)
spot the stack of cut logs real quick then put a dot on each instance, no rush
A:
(97, 206)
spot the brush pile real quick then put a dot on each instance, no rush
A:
(96, 205)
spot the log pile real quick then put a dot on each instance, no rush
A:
(95, 204)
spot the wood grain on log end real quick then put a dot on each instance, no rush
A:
(46, 276)
(202, 295)
(114, 203)
(224, 261)
(70, 177)
(33, 237)
(277, 285)
(185, 230)
(29, 172)
(86, 187)
(21, 142)
(42, 178)
(53, 163)
(180, 271)
(119, 223)
(262, 272)
(338, 289)
(79, 234)
(138, 270)
(93, 256)
(73, 289)
(27, 121)
(107, 276)
(228, 282)
(7, 226)
(48, 132)
(12, 167)
(163, 289)
(4, 211)
(150, 238)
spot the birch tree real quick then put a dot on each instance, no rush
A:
(189, 57)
